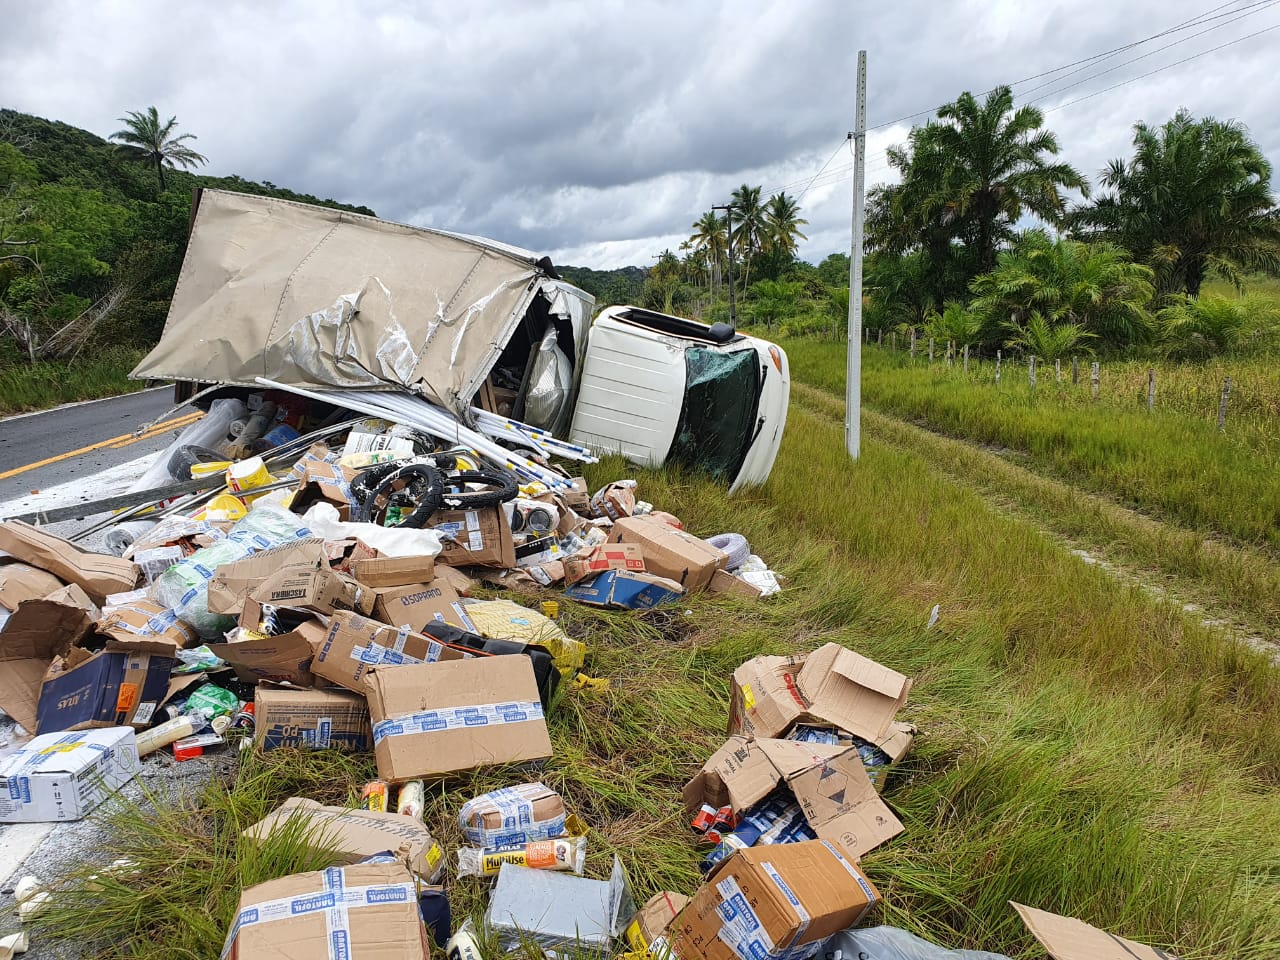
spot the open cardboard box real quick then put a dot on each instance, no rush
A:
(830, 784)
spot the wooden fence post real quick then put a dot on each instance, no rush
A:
(966, 358)
(950, 353)
(931, 349)
(880, 337)
(997, 368)
(1031, 371)
(1151, 389)
(1075, 370)
(1094, 376)
(913, 343)
(866, 334)
(1222, 404)
(1057, 369)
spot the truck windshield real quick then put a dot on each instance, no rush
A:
(718, 416)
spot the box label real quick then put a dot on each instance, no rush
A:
(456, 718)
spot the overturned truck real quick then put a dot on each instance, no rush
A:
(319, 298)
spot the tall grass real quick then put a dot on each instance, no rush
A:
(1175, 466)
(51, 382)
(1085, 748)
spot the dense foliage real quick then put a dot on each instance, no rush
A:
(91, 240)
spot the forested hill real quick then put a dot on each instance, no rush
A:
(90, 246)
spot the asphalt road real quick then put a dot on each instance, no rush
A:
(66, 445)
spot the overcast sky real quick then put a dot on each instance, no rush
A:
(599, 131)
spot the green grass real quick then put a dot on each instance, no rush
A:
(49, 383)
(1172, 465)
(1085, 748)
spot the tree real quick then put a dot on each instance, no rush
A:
(782, 224)
(954, 323)
(1193, 328)
(748, 227)
(967, 179)
(1195, 196)
(1093, 285)
(898, 289)
(774, 301)
(153, 142)
(1048, 341)
(710, 242)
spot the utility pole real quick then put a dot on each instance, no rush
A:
(728, 219)
(853, 373)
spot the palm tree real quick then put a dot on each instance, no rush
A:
(748, 226)
(1195, 328)
(1048, 341)
(1195, 196)
(954, 323)
(1093, 285)
(782, 224)
(709, 240)
(967, 178)
(153, 142)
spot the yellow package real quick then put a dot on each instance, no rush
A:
(504, 620)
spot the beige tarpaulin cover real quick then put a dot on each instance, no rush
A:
(317, 297)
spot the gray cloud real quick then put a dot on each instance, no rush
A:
(599, 131)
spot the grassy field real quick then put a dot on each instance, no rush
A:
(49, 383)
(1172, 464)
(1085, 747)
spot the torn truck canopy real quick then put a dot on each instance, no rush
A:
(317, 297)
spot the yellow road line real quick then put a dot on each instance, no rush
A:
(115, 443)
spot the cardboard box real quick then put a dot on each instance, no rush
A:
(1066, 938)
(353, 645)
(652, 920)
(764, 901)
(418, 604)
(315, 588)
(475, 538)
(21, 581)
(65, 776)
(95, 573)
(233, 583)
(123, 685)
(831, 686)
(624, 590)
(393, 571)
(461, 583)
(615, 556)
(145, 619)
(442, 717)
(286, 658)
(353, 835)
(724, 582)
(36, 634)
(363, 910)
(671, 553)
(322, 481)
(513, 816)
(310, 719)
(615, 501)
(829, 782)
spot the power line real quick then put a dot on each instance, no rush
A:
(1176, 63)
(1186, 24)
(1126, 63)
(848, 139)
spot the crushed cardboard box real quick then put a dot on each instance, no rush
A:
(724, 582)
(513, 816)
(234, 582)
(475, 538)
(352, 835)
(36, 634)
(625, 590)
(21, 581)
(652, 920)
(393, 571)
(831, 686)
(606, 556)
(363, 910)
(286, 658)
(124, 684)
(443, 717)
(829, 783)
(1066, 938)
(146, 619)
(95, 573)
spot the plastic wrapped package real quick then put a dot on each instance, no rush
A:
(890, 943)
(323, 520)
(185, 586)
(550, 381)
(209, 432)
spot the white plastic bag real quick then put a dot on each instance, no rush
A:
(322, 520)
(890, 943)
